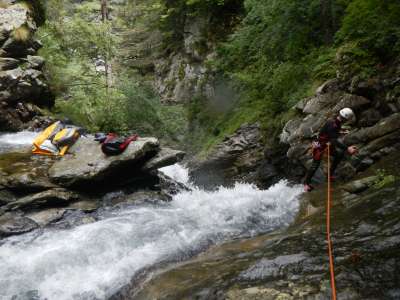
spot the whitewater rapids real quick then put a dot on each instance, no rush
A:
(96, 260)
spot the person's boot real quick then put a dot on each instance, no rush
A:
(308, 187)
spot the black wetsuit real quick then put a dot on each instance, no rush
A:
(329, 133)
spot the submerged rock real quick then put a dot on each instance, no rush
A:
(84, 205)
(294, 264)
(12, 224)
(24, 173)
(45, 217)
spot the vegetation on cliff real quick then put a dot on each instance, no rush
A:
(270, 53)
(78, 47)
(282, 50)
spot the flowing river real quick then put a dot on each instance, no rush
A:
(16, 141)
(94, 261)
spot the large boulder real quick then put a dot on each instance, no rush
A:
(87, 164)
(32, 196)
(384, 127)
(25, 84)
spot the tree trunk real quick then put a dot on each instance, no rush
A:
(108, 69)
(104, 10)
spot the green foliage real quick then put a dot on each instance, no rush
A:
(128, 106)
(279, 49)
(278, 52)
(374, 26)
(74, 39)
(384, 179)
(272, 60)
(174, 14)
(353, 59)
(283, 49)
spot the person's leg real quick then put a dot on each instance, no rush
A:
(338, 155)
(311, 171)
(317, 156)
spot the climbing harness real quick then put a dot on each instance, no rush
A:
(328, 225)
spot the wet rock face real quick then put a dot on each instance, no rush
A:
(50, 198)
(243, 157)
(12, 224)
(376, 132)
(294, 264)
(184, 74)
(237, 158)
(23, 86)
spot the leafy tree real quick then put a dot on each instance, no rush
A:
(374, 25)
(78, 43)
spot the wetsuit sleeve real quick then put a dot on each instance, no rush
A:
(339, 144)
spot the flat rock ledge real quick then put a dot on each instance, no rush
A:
(87, 164)
(37, 191)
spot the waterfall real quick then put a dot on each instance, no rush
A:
(94, 261)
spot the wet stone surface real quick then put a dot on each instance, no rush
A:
(294, 264)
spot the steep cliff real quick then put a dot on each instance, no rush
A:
(23, 88)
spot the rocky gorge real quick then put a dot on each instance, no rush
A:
(376, 132)
(88, 226)
(293, 264)
(36, 191)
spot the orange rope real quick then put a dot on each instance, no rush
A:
(328, 229)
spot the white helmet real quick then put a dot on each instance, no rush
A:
(346, 113)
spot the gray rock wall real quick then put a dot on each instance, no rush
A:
(376, 130)
(184, 74)
(23, 87)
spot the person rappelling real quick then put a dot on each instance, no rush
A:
(329, 134)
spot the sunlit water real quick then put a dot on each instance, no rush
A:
(94, 261)
(16, 141)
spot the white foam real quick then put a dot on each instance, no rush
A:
(96, 260)
(20, 138)
(13, 141)
(177, 172)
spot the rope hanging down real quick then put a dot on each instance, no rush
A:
(328, 230)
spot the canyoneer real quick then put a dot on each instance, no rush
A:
(329, 134)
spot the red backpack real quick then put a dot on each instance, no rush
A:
(114, 145)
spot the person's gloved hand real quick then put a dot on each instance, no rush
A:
(352, 150)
